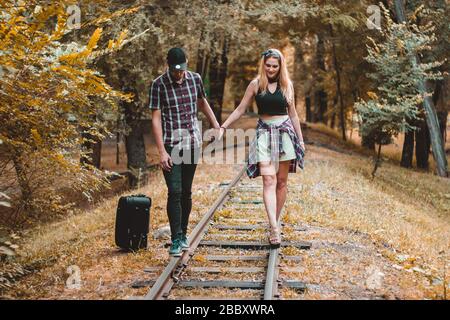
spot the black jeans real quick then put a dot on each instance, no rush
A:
(179, 187)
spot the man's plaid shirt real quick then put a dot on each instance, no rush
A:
(276, 146)
(178, 105)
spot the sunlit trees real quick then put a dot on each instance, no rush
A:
(47, 93)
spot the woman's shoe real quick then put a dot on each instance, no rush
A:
(275, 238)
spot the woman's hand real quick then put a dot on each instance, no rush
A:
(302, 145)
(165, 161)
(221, 133)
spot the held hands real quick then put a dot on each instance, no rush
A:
(218, 133)
(165, 161)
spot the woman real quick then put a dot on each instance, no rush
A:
(279, 145)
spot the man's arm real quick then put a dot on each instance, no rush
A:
(204, 107)
(155, 106)
(165, 160)
(157, 130)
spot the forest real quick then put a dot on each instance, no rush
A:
(371, 78)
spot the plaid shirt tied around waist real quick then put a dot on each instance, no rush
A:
(276, 146)
(178, 105)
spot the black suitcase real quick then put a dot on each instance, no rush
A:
(132, 222)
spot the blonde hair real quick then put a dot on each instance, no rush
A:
(283, 75)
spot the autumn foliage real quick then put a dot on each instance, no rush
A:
(49, 94)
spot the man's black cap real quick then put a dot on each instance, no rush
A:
(176, 59)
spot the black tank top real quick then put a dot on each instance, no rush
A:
(271, 103)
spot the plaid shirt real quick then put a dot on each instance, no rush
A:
(178, 105)
(276, 146)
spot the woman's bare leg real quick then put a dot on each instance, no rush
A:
(269, 177)
(281, 188)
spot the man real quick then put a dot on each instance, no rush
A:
(174, 99)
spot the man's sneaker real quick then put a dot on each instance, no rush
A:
(175, 248)
(184, 243)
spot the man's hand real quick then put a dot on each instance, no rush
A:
(165, 161)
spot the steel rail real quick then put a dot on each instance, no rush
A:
(165, 282)
(271, 284)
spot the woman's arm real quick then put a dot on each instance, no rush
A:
(295, 120)
(204, 107)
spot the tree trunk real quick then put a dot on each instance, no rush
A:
(442, 117)
(333, 120)
(134, 143)
(320, 102)
(202, 57)
(408, 150)
(368, 142)
(117, 148)
(308, 108)
(338, 86)
(430, 112)
(92, 146)
(333, 113)
(24, 185)
(97, 154)
(320, 96)
(377, 161)
(217, 77)
(137, 162)
(440, 100)
(422, 144)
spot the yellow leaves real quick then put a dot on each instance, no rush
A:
(59, 160)
(372, 95)
(114, 45)
(66, 71)
(40, 17)
(97, 84)
(416, 12)
(60, 26)
(400, 47)
(200, 258)
(225, 213)
(128, 97)
(15, 20)
(289, 218)
(94, 39)
(80, 58)
(116, 14)
(47, 89)
(290, 251)
(118, 43)
(71, 58)
(374, 44)
(36, 136)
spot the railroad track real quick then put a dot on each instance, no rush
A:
(226, 232)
